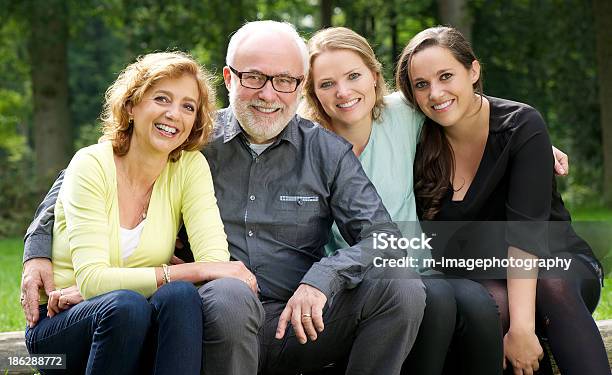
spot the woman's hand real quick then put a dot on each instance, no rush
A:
(561, 162)
(235, 269)
(523, 350)
(63, 299)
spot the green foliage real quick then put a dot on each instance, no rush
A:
(11, 316)
(537, 52)
(16, 172)
(543, 53)
(19, 193)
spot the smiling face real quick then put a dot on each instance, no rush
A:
(264, 113)
(163, 119)
(442, 86)
(346, 91)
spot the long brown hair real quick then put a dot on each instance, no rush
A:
(434, 164)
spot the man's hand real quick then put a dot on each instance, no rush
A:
(305, 311)
(63, 299)
(37, 274)
(524, 352)
(561, 162)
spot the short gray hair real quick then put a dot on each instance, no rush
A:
(253, 27)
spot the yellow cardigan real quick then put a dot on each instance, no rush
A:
(86, 248)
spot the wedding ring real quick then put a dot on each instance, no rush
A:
(306, 315)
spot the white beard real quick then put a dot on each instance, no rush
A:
(259, 127)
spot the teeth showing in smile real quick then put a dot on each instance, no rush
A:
(266, 110)
(166, 128)
(440, 106)
(349, 104)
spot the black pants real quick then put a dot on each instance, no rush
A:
(460, 312)
(564, 304)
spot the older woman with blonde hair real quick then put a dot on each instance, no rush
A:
(120, 307)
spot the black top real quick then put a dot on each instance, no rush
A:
(513, 195)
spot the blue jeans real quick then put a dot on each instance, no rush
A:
(121, 332)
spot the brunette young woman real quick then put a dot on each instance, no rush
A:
(485, 159)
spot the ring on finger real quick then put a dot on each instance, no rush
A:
(306, 316)
(61, 291)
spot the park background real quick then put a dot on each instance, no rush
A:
(58, 57)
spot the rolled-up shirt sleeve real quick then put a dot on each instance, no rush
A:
(359, 213)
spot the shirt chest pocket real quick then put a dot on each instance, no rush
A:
(298, 220)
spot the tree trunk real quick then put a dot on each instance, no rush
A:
(602, 10)
(327, 7)
(456, 14)
(393, 29)
(49, 74)
(233, 22)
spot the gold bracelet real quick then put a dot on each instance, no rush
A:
(166, 275)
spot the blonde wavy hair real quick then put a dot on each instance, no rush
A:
(340, 38)
(136, 79)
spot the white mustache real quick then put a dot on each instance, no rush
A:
(264, 104)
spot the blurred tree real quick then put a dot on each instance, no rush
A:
(550, 65)
(49, 73)
(603, 15)
(456, 13)
(327, 8)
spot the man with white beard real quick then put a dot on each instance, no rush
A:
(280, 182)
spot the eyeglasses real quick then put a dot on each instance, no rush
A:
(280, 83)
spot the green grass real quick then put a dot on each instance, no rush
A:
(604, 309)
(601, 241)
(11, 316)
(591, 214)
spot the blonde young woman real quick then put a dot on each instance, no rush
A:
(119, 307)
(486, 159)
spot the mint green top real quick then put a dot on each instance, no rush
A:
(387, 160)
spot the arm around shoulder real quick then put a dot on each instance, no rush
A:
(38, 237)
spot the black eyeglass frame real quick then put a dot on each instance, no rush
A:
(298, 80)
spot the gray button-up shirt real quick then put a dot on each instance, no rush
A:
(278, 208)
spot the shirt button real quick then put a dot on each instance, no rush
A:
(252, 197)
(251, 233)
